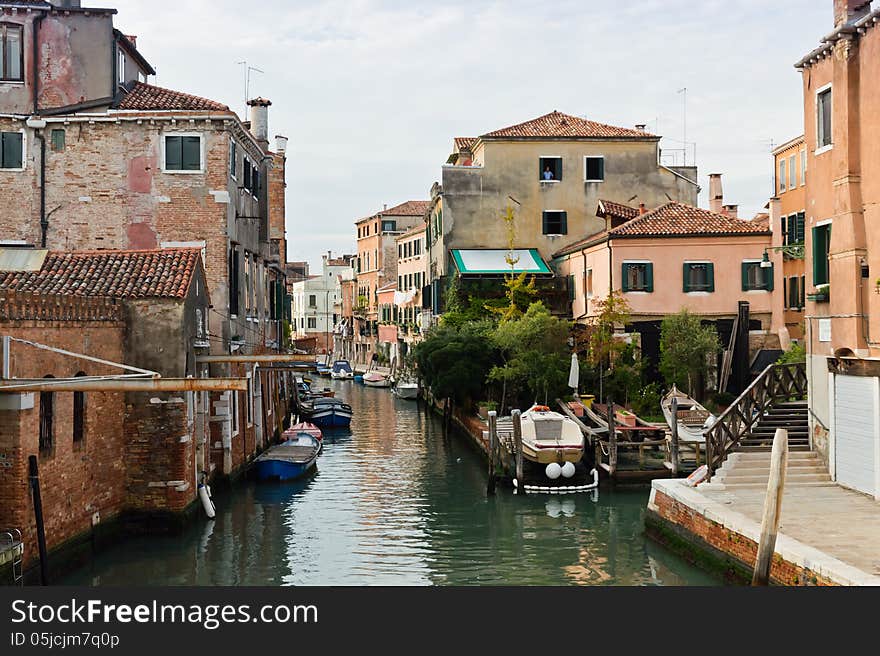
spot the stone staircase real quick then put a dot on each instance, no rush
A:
(792, 416)
(751, 469)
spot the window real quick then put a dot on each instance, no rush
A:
(79, 413)
(313, 323)
(57, 139)
(755, 277)
(246, 167)
(821, 247)
(11, 150)
(47, 415)
(550, 169)
(389, 226)
(233, 281)
(782, 182)
(199, 325)
(313, 301)
(803, 167)
(233, 160)
(572, 288)
(255, 181)
(637, 277)
(555, 223)
(792, 173)
(11, 53)
(249, 405)
(793, 298)
(120, 66)
(699, 277)
(588, 283)
(594, 169)
(794, 229)
(803, 298)
(183, 153)
(823, 118)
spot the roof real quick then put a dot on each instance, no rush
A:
(389, 287)
(617, 210)
(488, 261)
(130, 46)
(416, 229)
(556, 125)
(150, 98)
(863, 19)
(678, 219)
(791, 143)
(409, 208)
(762, 219)
(464, 143)
(163, 273)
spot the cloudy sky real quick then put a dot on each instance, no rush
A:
(371, 92)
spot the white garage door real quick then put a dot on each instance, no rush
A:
(855, 442)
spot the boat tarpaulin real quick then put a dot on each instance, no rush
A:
(488, 261)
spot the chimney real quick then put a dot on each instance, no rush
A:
(732, 211)
(642, 209)
(844, 10)
(65, 4)
(260, 120)
(641, 126)
(133, 38)
(280, 144)
(716, 192)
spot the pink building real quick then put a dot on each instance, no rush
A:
(673, 257)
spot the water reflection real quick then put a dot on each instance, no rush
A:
(395, 502)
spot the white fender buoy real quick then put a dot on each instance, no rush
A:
(207, 502)
(553, 471)
(568, 470)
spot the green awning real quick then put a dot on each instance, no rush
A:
(476, 262)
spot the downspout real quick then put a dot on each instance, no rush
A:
(35, 83)
(44, 220)
(258, 407)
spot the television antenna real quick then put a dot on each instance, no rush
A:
(684, 92)
(247, 81)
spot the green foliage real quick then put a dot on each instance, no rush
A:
(796, 354)
(646, 402)
(604, 347)
(535, 354)
(455, 361)
(685, 348)
(625, 380)
(520, 294)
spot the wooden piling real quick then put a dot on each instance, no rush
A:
(493, 450)
(517, 444)
(674, 454)
(772, 508)
(34, 476)
(612, 440)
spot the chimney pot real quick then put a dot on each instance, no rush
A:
(732, 211)
(716, 193)
(844, 10)
(280, 144)
(259, 116)
(642, 208)
(641, 127)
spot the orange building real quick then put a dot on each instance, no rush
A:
(841, 82)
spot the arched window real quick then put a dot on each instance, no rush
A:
(47, 411)
(79, 413)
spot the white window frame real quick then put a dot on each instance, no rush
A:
(781, 175)
(120, 65)
(235, 419)
(24, 150)
(588, 277)
(803, 155)
(541, 174)
(202, 146)
(233, 156)
(792, 172)
(758, 262)
(249, 419)
(824, 149)
(586, 157)
(699, 292)
(638, 291)
(554, 234)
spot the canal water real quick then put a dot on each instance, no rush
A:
(393, 502)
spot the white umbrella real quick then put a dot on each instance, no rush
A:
(574, 374)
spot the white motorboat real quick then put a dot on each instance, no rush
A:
(693, 419)
(551, 439)
(375, 379)
(341, 370)
(406, 390)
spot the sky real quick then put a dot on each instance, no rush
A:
(372, 92)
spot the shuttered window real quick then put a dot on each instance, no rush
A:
(755, 277)
(637, 277)
(594, 169)
(233, 159)
(821, 245)
(555, 223)
(699, 277)
(823, 118)
(183, 153)
(11, 150)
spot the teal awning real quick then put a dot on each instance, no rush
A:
(487, 261)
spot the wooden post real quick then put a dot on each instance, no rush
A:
(612, 439)
(493, 448)
(517, 446)
(676, 463)
(34, 476)
(772, 508)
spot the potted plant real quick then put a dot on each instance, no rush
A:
(821, 295)
(485, 407)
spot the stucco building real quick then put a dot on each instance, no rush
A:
(315, 302)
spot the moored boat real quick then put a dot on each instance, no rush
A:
(551, 439)
(304, 427)
(341, 370)
(693, 419)
(288, 460)
(375, 379)
(327, 413)
(406, 390)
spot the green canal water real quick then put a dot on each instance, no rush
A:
(393, 502)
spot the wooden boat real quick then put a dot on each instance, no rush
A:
(406, 390)
(341, 370)
(326, 413)
(288, 460)
(551, 439)
(305, 427)
(693, 419)
(375, 379)
(323, 370)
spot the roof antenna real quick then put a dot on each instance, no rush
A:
(247, 82)
(684, 92)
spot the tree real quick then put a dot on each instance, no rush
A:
(685, 348)
(604, 346)
(796, 354)
(534, 350)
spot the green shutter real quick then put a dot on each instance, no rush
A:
(745, 276)
(624, 281)
(685, 283)
(173, 153)
(768, 277)
(821, 239)
(11, 147)
(710, 274)
(801, 216)
(649, 277)
(191, 155)
(544, 222)
(785, 298)
(565, 223)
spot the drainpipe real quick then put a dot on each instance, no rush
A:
(35, 84)
(258, 407)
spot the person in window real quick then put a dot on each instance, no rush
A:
(548, 174)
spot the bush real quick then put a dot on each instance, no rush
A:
(646, 402)
(797, 353)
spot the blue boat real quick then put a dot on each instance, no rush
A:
(288, 460)
(327, 413)
(341, 370)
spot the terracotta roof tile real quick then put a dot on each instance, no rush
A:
(557, 124)
(464, 143)
(677, 219)
(164, 273)
(617, 210)
(409, 208)
(149, 98)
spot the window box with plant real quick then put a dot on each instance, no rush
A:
(822, 294)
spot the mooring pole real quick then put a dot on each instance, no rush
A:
(493, 447)
(612, 439)
(517, 445)
(772, 508)
(674, 451)
(34, 476)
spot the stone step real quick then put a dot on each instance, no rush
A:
(799, 455)
(749, 448)
(760, 486)
(764, 467)
(805, 477)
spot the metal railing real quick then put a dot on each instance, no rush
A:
(778, 383)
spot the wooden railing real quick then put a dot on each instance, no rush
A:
(778, 383)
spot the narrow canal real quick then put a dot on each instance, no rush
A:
(394, 502)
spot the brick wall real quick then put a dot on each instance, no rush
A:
(701, 532)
